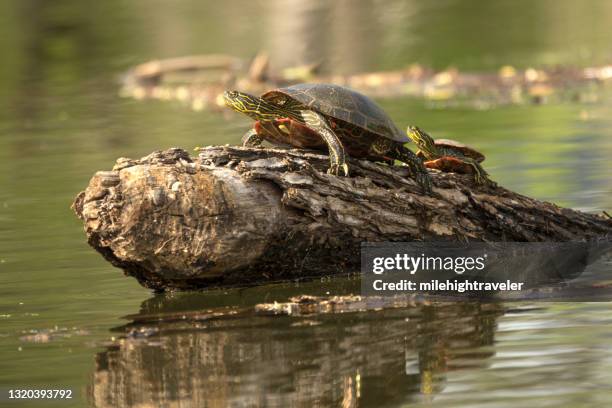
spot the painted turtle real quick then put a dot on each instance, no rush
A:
(325, 116)
(449, 155)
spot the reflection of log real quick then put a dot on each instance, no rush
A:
(238, 215)
(395, 355)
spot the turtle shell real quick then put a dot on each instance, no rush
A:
(459, 147)
(340, 103)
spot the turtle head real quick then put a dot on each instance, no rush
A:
(252, 106)
(422, 140)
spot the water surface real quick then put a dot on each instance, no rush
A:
(61, 120)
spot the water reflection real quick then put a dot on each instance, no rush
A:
(243, 358)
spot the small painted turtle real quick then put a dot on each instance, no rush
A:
(325, 116)
(449, 155)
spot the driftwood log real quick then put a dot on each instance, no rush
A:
(239, 215)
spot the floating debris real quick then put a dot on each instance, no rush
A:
(199, 81)
(48, 335)
(308, 305)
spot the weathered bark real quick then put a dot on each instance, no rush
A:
(239, 215)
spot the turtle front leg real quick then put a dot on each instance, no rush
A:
(251, 139)
(399, 152)
(480, 174)
(337, 156)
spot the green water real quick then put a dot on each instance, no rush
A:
(61, 120)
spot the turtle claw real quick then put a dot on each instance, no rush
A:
(336, 169)
(421, 176)
(483, 180)
(488, 182)
(345, 169)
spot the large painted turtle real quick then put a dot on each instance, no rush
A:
(449, 155)
(325, 116)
